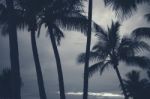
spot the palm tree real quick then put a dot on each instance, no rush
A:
(110, 49)
(122, 7)
(88, 44)
(136, 88)
(30, 14)
(9, 20)
(67, 15)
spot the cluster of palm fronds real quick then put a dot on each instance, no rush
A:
(136, 87)
(56, 15)
(111, 49)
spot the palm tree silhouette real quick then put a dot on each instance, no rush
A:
(9, 19)
(109, 50)
(30, 20)
(136, 88)
(88, 44)
(122, 7)
(5, 84)
(66, 15)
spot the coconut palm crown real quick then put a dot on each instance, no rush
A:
(111, 49)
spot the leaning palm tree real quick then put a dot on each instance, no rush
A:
(9, 18)
(30, 20)
(136, 88)
(122, 7)
(62, 14)
(110, 49)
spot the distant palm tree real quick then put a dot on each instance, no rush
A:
(5, 84)
(9, 19)
(136, 88)
(110, 49)
(67, 15)
(122, 7)
(30, 20)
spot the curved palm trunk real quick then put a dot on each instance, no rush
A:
(58, 62)
(14, 54)
(38, 67)
(85, 89)
(121, 82)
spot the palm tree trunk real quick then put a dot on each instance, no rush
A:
(85, 89)
(38, 67)
(14, 54)
(15, 68)
(58, 62)
(121, 82)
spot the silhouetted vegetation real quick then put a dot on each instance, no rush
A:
(9, 19)
(136, 87)
(30, 13)
(60, 15)
(110, 49)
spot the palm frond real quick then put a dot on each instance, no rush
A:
(140, 46)
(113, 34)
(124, 50)
(128, 47)
(100, 32)
(39, 25)
(140, 61)
(106, 65)
(125, 7)
(100, 66)
(141, 32)
(133, 75)
(102, 49)
(73, 23)
(100, 45)
(94, 56)
(58, 34)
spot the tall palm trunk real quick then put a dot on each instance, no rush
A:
(38, 66)
(58, 62)
(121, 82)
(14, 54)
(86, 71)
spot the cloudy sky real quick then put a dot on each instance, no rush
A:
(100, 87)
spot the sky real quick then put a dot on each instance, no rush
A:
(100, 87)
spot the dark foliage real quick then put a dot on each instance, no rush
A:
(136, 87)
